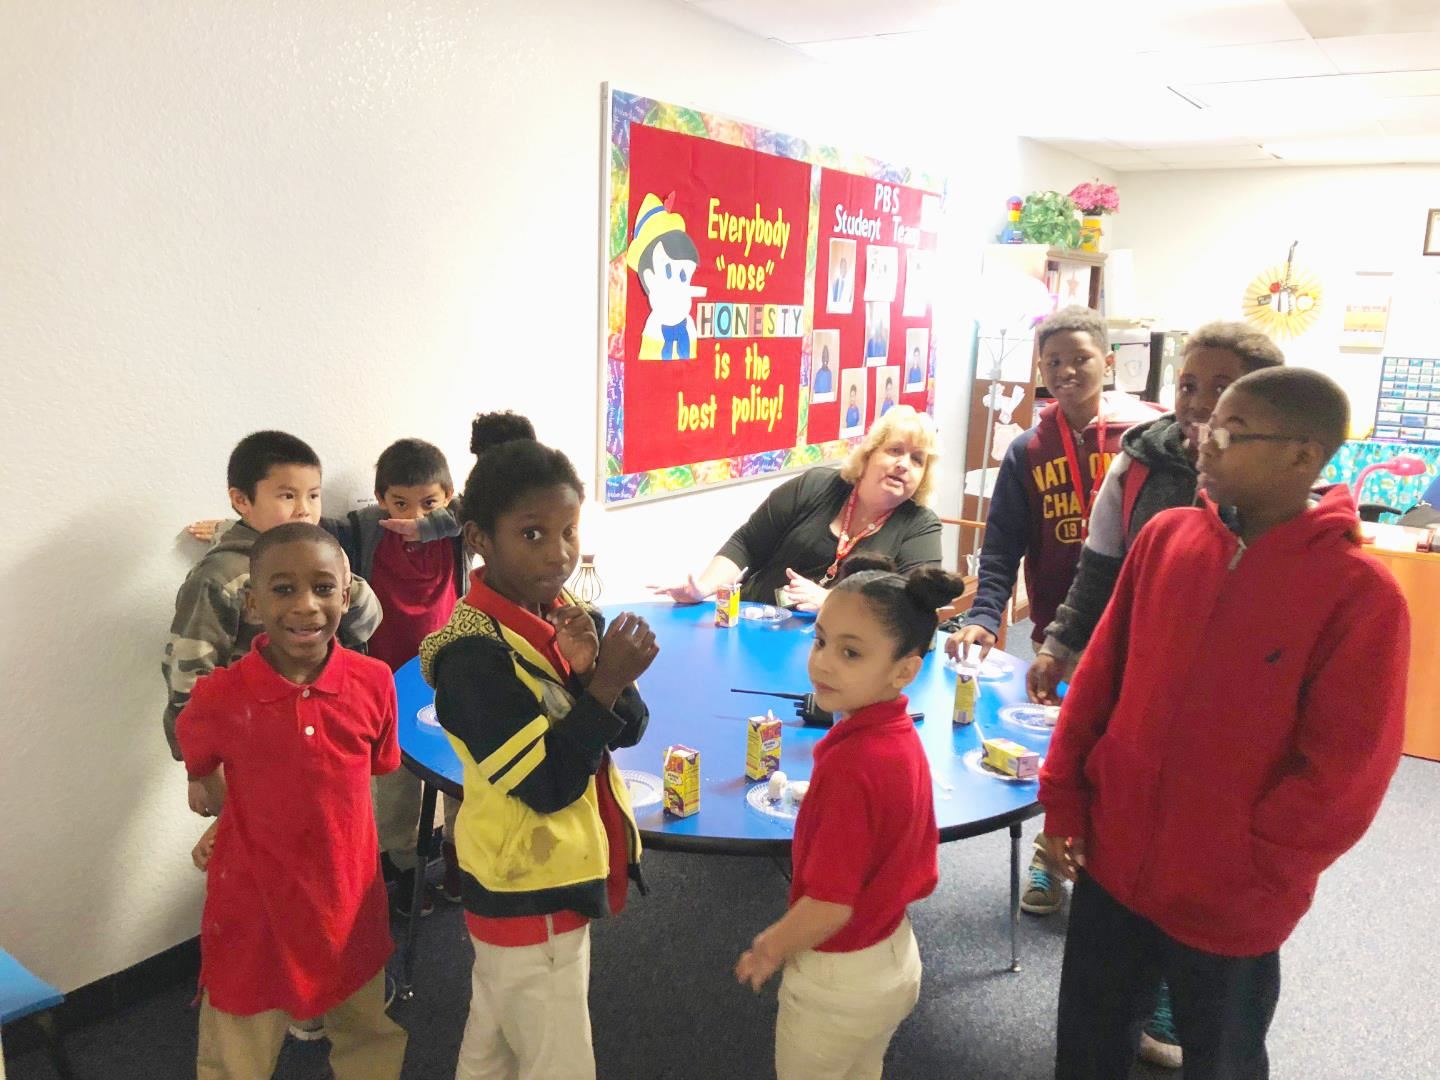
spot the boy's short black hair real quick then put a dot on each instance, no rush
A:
(1253, 347)
(506, 468)
(411, 463)
(1310, 403)
(675, 243)
(1075, 320)
(259, 452)
(293, 532)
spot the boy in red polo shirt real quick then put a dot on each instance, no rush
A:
(1229, 733)
(295, 923)
(865, 841)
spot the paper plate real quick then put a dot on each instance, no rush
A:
(426, 717)
(646, 789)
(973, 763)
(1039, 718)
(987, 670)
(759, 799)
(764, 613)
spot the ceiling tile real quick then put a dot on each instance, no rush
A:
(1271, 60)
(1209, 154)
(1339, 18)
(1383, 52)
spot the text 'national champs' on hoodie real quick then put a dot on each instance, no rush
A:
(1038, 514)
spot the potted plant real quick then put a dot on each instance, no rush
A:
(1049, 218)
(1094, 200)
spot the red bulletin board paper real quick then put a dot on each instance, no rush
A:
(856, 214)
(746, 215)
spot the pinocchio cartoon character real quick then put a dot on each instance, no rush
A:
(664, 258)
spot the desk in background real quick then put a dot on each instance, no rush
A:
(1419, 576)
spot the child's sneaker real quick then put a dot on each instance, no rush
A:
(1159, 1044)
(450, 888)
(405, 894)
(308, 1030)
(1046, 891)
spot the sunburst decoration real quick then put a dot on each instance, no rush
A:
(1283, 301)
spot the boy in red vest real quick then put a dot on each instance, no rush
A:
(1229, 733)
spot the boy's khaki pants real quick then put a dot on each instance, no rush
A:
(838, 1011)
(529, 1012)
(365, 1044)
(397, 815)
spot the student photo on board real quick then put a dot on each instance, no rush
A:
(840, 295)
(917, 353)
(887, 389)
(852, 402)
(877, 333)
(917, 284)
(882, 273)
(825, 366)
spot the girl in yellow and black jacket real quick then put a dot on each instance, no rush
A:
(533, 698)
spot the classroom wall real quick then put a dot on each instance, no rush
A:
(356, 221)
(1200, 238)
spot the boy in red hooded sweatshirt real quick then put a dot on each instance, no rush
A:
(1229, 733)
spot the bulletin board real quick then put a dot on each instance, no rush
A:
(765, 299)
(1408, 408)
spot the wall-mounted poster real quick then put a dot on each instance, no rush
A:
(1408, 408)
(757, 294)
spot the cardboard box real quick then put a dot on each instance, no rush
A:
(762, 746)
(727, 605)
(682, 781)
(1011, 758)
(967, 697)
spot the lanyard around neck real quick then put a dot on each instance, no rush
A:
(1072, 459)
(847, 542)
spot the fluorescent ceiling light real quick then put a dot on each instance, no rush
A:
(1360, 148)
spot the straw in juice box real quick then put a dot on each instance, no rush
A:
(682, 780)
(762, 746)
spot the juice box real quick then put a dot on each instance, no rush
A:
(1011, 758)
(967, 696)
(682, 781)
(727, 605)
(762, 746)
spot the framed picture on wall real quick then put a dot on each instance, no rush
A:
(1432, 233)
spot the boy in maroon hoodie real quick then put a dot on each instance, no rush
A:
(1043, 494)
(1228, 735)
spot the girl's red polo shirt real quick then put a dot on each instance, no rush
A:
(866, 834)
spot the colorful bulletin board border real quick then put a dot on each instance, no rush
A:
(622, 110)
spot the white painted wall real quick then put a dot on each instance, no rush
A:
(1199, 239)
(355, 221)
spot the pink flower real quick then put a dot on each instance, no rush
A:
(1096, 198)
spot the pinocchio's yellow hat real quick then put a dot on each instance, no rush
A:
(654, 218)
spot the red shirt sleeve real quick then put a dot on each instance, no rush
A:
(199, 729)
(841, 844)
(385, 754)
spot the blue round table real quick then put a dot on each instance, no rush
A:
(688, 690)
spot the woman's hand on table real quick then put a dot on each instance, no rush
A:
(801, 593)
(576, 638)
(688, 593)
(957, 646)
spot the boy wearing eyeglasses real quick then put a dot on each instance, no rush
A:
(1229, 733)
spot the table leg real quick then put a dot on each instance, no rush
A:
(422, 862)
(48, 1024)
(1014, 896)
